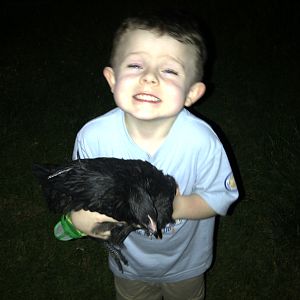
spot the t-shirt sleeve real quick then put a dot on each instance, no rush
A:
(215, 181)
(85, 145)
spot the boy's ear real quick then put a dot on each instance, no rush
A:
(109, 75)
(196, 91)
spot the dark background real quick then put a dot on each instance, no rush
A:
(51, 61)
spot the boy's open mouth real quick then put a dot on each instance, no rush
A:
(146, 98)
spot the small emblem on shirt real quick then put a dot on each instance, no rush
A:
(230, 183)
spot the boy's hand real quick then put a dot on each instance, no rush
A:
(85, 221)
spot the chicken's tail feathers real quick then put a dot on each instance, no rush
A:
(57, 202)
(44, 171)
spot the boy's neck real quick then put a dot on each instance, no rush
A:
(148, 135)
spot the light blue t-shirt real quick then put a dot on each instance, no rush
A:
(193, 154)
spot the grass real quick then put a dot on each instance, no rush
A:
(51, 84)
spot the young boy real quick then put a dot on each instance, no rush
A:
(156, 71)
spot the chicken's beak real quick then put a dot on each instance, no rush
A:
(152, 227)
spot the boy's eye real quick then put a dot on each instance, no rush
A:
(134, 66)
(170, 71)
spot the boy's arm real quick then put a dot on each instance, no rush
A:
(85, 221)
(191, 207)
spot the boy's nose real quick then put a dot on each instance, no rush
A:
(149, 78)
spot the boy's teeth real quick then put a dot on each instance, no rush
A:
(147, 98)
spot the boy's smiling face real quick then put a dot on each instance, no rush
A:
(153, 76)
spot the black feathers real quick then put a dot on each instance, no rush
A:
(133, 192)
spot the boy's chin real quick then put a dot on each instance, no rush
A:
(148, 115)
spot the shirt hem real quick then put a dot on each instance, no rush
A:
(166, 278)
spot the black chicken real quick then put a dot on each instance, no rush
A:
(134, 192)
